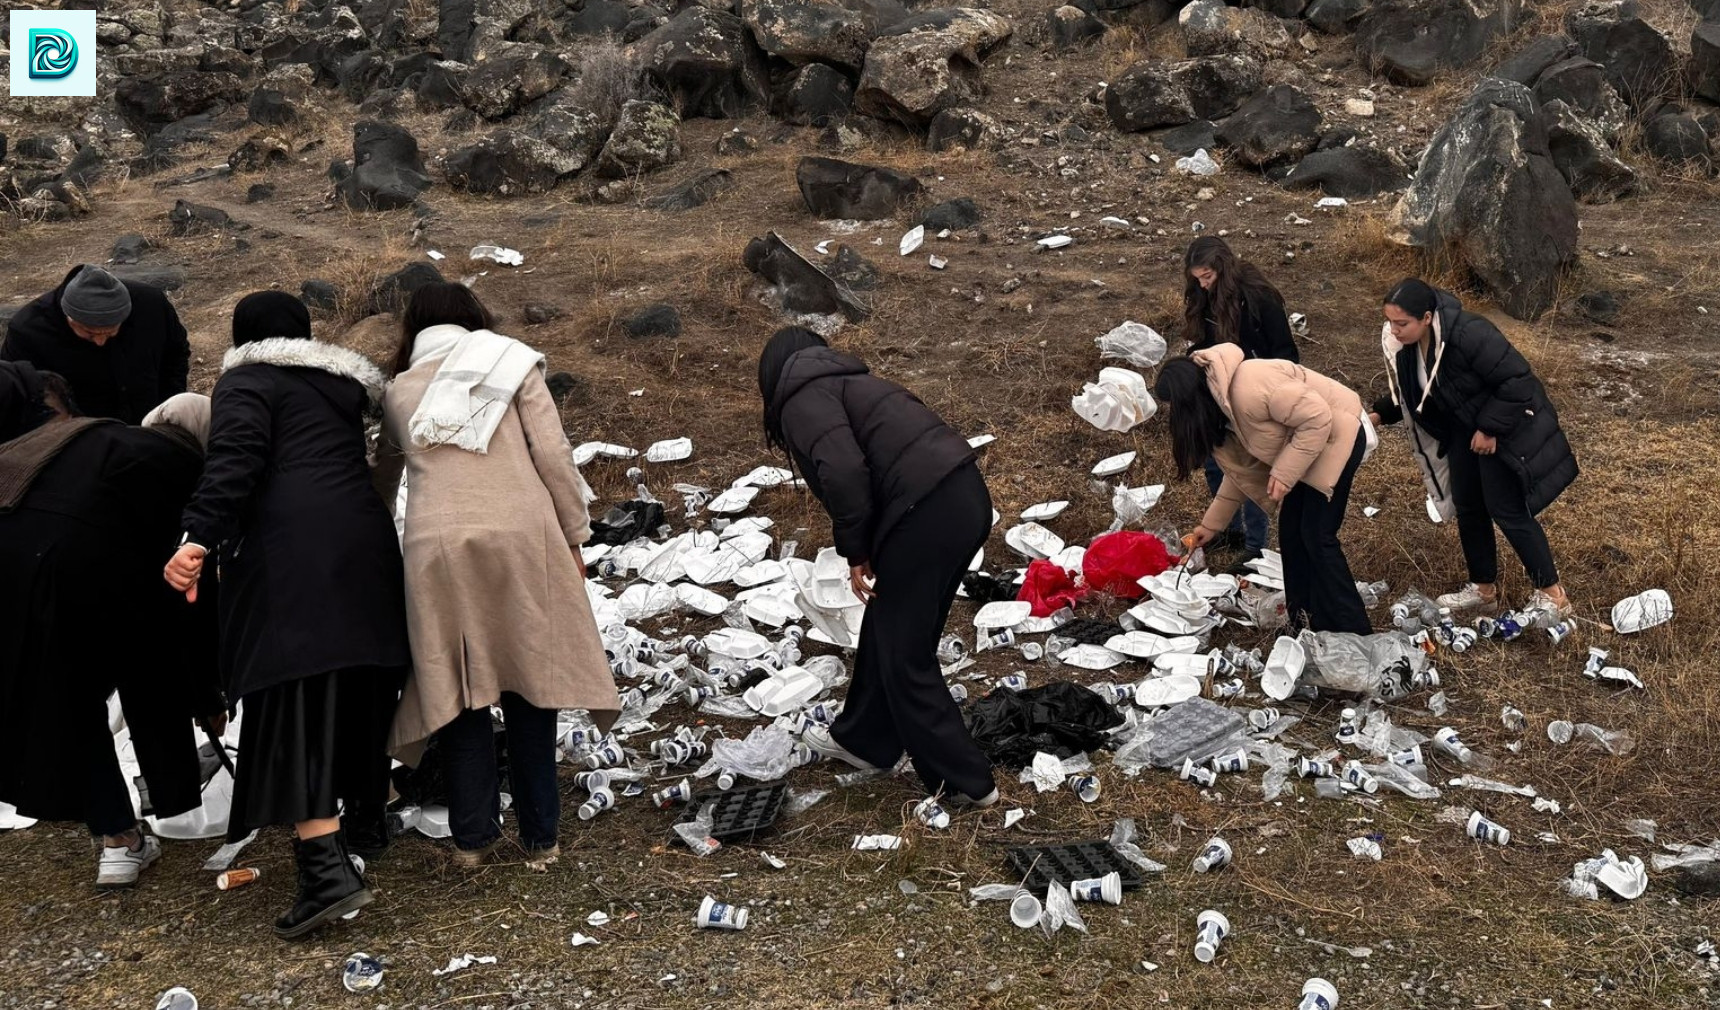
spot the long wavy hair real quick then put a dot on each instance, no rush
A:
(1238, 281)
(1196, 421)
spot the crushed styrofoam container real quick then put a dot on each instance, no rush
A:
(700, 600)
(585, 452)
(783, 692)
(1044, 511)
(735, 499)
(671, 450)
(1283, 668)
(1111, 466)
(1118, 401)
(1174, 689)
(498, 254)
(1624, 877)
(915, 238)
(1055, 242)
(877, 843)
(937, 262)
(1002, 614)
(1091, 657)
(981, 441)
(463, 962)
(1198, 163)
(765, 476)
(1645, 610)
(1331, 203)
(1033, 541)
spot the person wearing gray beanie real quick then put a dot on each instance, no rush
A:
(118, 343)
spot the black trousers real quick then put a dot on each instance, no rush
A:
(898, 700)
(469, 751)
(108, 809)
(1319, 591)
(1487, 492)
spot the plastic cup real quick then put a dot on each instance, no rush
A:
(959, 692)
(1561, 631)
(176, 998)
(714, 914)
(361, 973)
(725, 780)
(1262, 718)
(1409, 757)
(1086, 787)
(1482, 829)
(1015, 682)
(1318, 994)
(1192, 772)
(607, 755)
(1215, 855)
(1211, 929)
(1596, 663)
(1026, 910)
(601, 799)
(1560, 731)
(1311, 768)
(1033, 652)
(931, 813)
(1108, 889)
(591, 780)
(1231, 764)
(1358, 776)
(1448, 741)
(680, 792)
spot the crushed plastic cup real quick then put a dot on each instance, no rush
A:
(1596, 662)
(607, 754)
(680, 792)
(176, 998)
(1561, 631)
(1085, 786)
(592, 780)
(498, 254)
(1463, 639)
(932, 814)
(1214, 855)
(1486, 627)
(1560, 731)
(1409, 757)
(1315, 768)
(1365, 848)
(1199, 163)
(601, 799)
(1231, 764)
(1510, 627)
(1001, 638)
(1318, 994)
(1191, 772)
(1210, 930)
(951, 650)
(1358, 776)
(1033, 652)
(361, 973)
(1448, 742)
(1513, 719)
(1026, 910)
(1108, 889)
(228, 880)
(714, 914)
(1262, 718)
(959, 692)
(1482, 829)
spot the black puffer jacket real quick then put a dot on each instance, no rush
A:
(1262, 332)
(869, 449)
(1481, 383)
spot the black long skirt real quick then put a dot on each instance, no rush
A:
(309, 745)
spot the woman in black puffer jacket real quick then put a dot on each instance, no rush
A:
(1485, 435)
(909, 510)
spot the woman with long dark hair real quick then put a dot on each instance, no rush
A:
(313, 618)
(1485, 435)
(908, 510)
(495, 589)
(1227, 300)
(1284, 436)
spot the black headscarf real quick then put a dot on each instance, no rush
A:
(21, 406)
(265, 314)
(784, 344)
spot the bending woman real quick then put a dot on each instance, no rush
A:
(1486, 437)
(1284, 436)
(313, 617)
(495, 587)
(908, 510)
(1227, 300)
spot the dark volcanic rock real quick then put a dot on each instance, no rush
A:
(840, 190)
(129, 249)
(962, 127)
(1353, 172)
(1200, 135)
(1335, 17)
(1676, 136)
(929, 63)
(697, 191)
(1705, 61)
(1070, 26)
(645, 138)
(658, 320)
(502, 85)
(188, 218)
(1583, 156)
(1154, 94)
(809, 31)
(152, 102)
(1276, 125)
(1599, 307)
(817, 95)
(1525, 65)
(387, 170)
(956, 215)
(1638, 58)
(796, 285)
(510, 163)
(707, 63)
(1413, 41)
(1583, 86)
(391, 293)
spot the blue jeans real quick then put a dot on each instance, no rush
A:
(1250, 520)
(474, 802)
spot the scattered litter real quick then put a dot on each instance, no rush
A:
(915, 238)
(1055, 242)
(1215, 855)
(463, 962)
(1043, 512)
(1199, 163)
(223, 857)
(581, 940)
(433, 254)
(1642, 828)
(1025, 910)
(1624, 878)
(1111, 466)
(1013, 817)
(1615, 742)
(1118, 401)
(994, 892)
(981, 441)
(876, 843)
(774, 862)
(1547, 805)
(671, 450)
(1369, 511)
(1210, 930)
(599, 918)
(1641, 612)
(1365, 848)
(227, 880)
(713, 914)
(1331, 203)
(498, 254)
(937, 262)
(362, 973)
(1318, 994)
(176, 998)
(1482, 829)
(1138, 344)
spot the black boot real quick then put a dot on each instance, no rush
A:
(329, 886)
(366, 830)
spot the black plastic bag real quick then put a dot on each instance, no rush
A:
(1063, 719)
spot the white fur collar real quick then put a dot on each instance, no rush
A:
(289, 352)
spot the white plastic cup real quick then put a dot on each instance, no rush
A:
(1211, 929)
(959, 692)
(1026, 910)
(1409, 757)
(607, 755)
(1215, 855)
(1015, 682)
(1482, 829)
(1033, 652)
(1448, 741)
(1358, 776)
(1312, 768)
(1596, 663)
(1560, 731)
(932, 814)
(725, 780)
(1561, 631)
(1108, 889)
(1086, 787)
(1262, 718)
(714, 914)
(591, 780)
(1231, 764)
(601, 799)
(176, 998)
(1318, 994)
(1192, 772)
(680, 792)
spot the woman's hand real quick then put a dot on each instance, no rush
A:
(1276, 489)
(1484, 444)
(860, 579)
(1199, 537)
(1374, 418)
(184, 569)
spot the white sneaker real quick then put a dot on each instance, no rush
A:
(120, 867)
(1469, 597)
(820, 740)
(1541, 603)
(988, 800)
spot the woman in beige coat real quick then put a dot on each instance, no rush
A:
(1284, 436)
(497, 609)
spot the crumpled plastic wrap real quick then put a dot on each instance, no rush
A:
(1048, 772)
(994, 892)
(1385, 666)
(696, 833)
(1123, 844)
(767, 754)
(1624, 878)
(1138, 344)
(1196, 730)
(1060, 911)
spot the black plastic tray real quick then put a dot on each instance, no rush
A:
(1088, 631)
(740, 814)
(1069, 863)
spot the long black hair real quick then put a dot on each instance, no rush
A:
(783, 344)
(1197, 424)
(1238, 281)
(436, 304)
(1414, 296)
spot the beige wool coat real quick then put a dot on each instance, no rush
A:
(495, 594)
(1288, 422)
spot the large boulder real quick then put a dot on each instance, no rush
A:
(1153, 94)
(1676, 136)
(504, 84)
(1211, 27)
(1705, 61)
(1070, 26)
(509, 163)
(279, 99)
(1335, 17)
(1413, 41)
(817, 95)
(1488, 191)
(696, 191)
(797, 286)
(809, 31)
(963, 127)
(645, 138)
(1354, 172)
(841, 190)
(152, 102)
(1582, 155)
(1279, 124)
(468, 28)
(1582, 85)
(928, 63)
(1526, 64)
(387, 169)
(1639, 58)
(707, 63)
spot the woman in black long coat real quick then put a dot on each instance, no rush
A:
(88, 508)
(313, 621)
(1485, 435)
(908, 510)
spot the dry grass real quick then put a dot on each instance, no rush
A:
(609, 77)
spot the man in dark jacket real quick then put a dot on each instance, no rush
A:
(118, 343)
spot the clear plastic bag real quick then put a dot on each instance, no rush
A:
(1138, 344)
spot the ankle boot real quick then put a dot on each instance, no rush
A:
(329, 886)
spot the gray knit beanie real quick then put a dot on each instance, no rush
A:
(96, 298)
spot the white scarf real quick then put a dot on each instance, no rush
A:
(472, 388)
